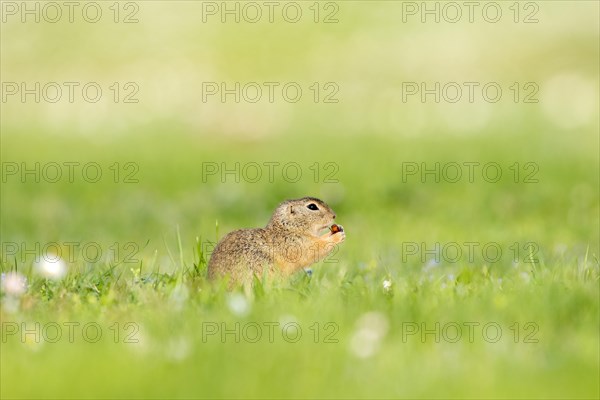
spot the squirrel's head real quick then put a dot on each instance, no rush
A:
(307, 214)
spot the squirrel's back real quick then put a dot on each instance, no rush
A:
(239, 253)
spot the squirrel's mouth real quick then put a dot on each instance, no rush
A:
(324, 230)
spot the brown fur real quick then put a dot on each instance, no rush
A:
(291, 241)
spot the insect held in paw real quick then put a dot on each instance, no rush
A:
(336, 228)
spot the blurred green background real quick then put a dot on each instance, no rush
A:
(352, 152)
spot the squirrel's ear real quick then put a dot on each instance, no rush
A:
(291, 209)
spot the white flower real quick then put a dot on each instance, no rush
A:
(13, 283)
(371, 329)
(179, 296)
(431, 263)
(287, 319)
(525, 277)
(387, 285)
(238, 304)
(51, 267)
(139, 342)
(290, 328)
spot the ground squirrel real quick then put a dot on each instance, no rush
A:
(293, 239)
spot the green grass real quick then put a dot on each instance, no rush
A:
(547, 310)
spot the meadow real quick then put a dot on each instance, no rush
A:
(470, 267)
(166, 332)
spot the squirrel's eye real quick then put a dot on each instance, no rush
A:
(312, 206)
